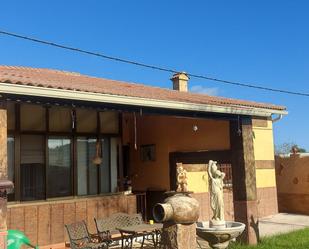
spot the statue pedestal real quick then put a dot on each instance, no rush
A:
(179, 236)
(218, 224)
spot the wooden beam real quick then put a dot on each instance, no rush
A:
(243, 163)
(244, 178)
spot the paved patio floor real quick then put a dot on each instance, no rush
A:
(276, 224)
(282, 223)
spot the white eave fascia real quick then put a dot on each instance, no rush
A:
(26, 90)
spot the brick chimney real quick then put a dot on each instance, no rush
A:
(180, 82)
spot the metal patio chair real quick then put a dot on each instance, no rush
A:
(107, 227)
(80, 238)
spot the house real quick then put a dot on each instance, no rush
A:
(55, 123)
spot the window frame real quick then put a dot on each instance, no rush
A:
(44, 166)
(99, 182)
(73, 135)
(47, 166)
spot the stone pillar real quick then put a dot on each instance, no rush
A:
(4, 183)
(180, 236)
(244, 179)
(3, 142)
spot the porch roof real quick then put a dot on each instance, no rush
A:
(68, 85)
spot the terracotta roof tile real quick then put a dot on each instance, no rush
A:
(74, 81)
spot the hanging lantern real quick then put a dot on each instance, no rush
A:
(97, 160)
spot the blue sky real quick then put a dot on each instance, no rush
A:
(263, 42)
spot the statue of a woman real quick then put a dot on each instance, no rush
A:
(216, 191)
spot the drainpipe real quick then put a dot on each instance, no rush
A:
(280, 116)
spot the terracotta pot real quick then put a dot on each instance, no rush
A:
(179, 208)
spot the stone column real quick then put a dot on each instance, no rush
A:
(244, 179)
(4, 183)
(3, 142)
(180, 236)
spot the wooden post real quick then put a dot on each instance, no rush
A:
(244, 179)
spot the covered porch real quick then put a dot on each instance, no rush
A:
(53, 188)
(50, 137)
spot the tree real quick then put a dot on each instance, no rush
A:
(287, 148)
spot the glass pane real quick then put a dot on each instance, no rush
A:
(32, 167)
(59, 167)
(105, 166)
(10, 148)
(82, 166)
(87, 172)
(93, 169)
(32, 117)
(114, 165)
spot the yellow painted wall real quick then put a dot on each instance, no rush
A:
(173, 134)
(265, 178)
(198, 181)
(170, 134)
(263, 142)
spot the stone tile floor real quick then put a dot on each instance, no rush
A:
(272, 225)
(282, 223)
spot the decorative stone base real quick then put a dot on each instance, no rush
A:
(3, 241)
(219, 224)
(179, 236)
(246, 212)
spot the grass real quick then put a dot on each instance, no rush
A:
(294, 240)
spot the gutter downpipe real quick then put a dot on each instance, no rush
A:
(279, 117)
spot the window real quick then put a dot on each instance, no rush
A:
(227, 169)
(11, 175)
(87, 172)
(32, 167)
(113, 164)
(59, 167)
(91, 178)
(49, 162)
(105, 168)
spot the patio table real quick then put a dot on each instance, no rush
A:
(128, 233)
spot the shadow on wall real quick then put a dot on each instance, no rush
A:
(292, 176)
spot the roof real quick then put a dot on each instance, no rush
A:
(56, 79)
